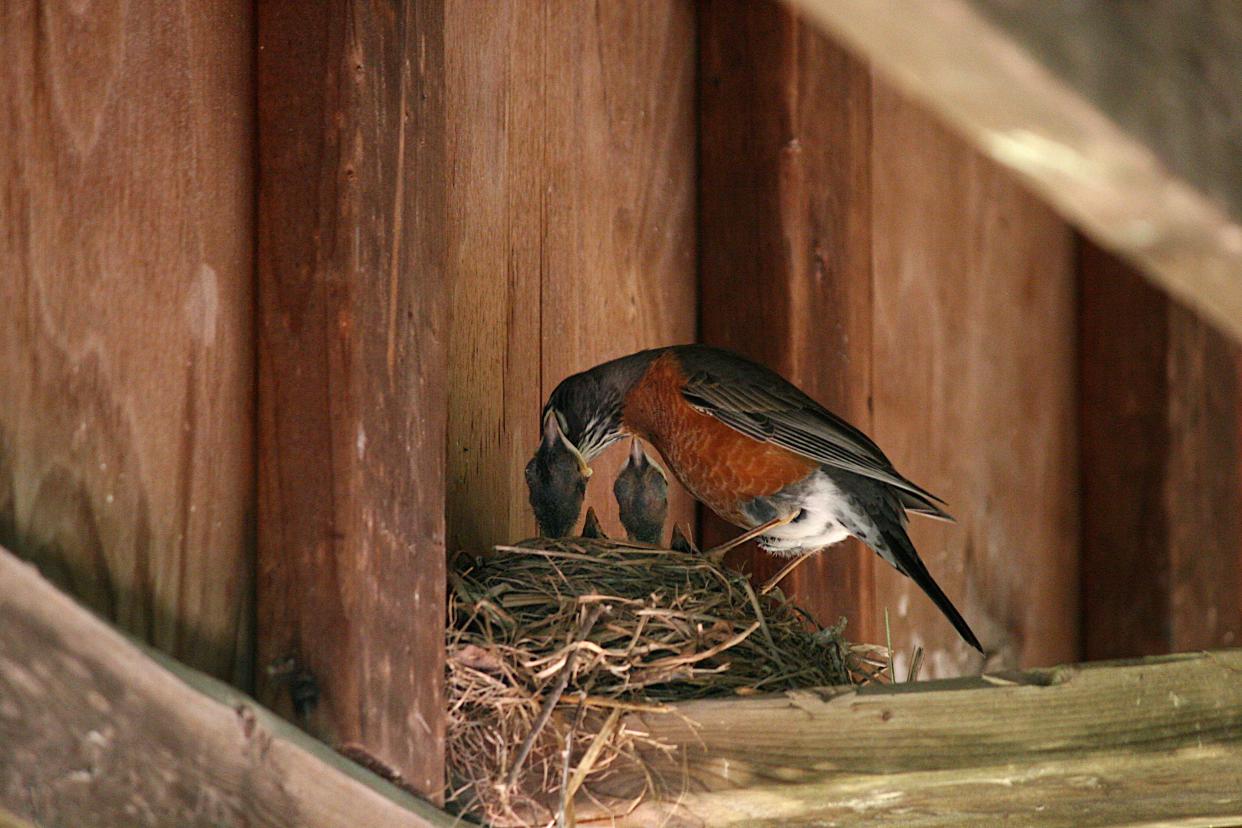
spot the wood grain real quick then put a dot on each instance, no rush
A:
(126, 202)
(7, 820)
(97, 732)
(352, 382)
(1123, 357)
(1117, 118)
(1145, 742)
(1203, 489)
(1161, 534)
(1162, 71)
(571, 235)
(785, 241)
(974, 385)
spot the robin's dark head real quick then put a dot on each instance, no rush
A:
(588, 405)
(557, 477)
(642, 496)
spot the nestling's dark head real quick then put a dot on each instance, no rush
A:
(557, 477)
(641, 490)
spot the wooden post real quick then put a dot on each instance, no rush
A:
(352, 383)
(1161, 483)
(126, 268)
(785, 240)
(571, 237)
(973, 377)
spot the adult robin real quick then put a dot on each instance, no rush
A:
(745, 442)
(641, 490)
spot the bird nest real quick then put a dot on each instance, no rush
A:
(552, 642)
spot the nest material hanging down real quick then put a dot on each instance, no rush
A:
(550, 643)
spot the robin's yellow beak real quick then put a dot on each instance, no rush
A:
(552, 421)
(586, 470)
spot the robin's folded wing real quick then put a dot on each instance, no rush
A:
(781, 414)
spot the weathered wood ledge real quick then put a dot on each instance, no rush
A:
(96, 730)
(1153, 741)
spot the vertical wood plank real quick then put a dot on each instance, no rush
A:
(1124, 344)
(126, 228)
(974, 385)
(1203, 491)
(352, 376)
(1162, 540)
(495, 239)
(785, 240)
(572, 239)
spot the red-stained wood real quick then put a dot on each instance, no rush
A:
(352, 380)
(785, 240)
(1203, 490)
(571, 232)
(1123, 336)
(1161, 483)
(974, 384)
(126, 269)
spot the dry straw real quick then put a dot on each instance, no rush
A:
(550, 643)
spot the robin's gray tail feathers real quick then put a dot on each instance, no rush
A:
(908, 563)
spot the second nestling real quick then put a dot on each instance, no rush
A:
(641, 490)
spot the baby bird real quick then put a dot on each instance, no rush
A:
(641, 490)
(591, 528)
(557, 478)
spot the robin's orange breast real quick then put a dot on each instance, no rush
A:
(718, 465)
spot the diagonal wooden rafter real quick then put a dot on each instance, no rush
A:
(1110, 113)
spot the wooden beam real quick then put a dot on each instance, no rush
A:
(7, 820)
(98, 732)
(352, 383)
(1144, 742)
(785, 241)
(571, 237)
(1123, 118)
(974, 386)
(1160, 464)
(126, 300)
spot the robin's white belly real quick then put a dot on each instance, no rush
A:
(821, 522)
